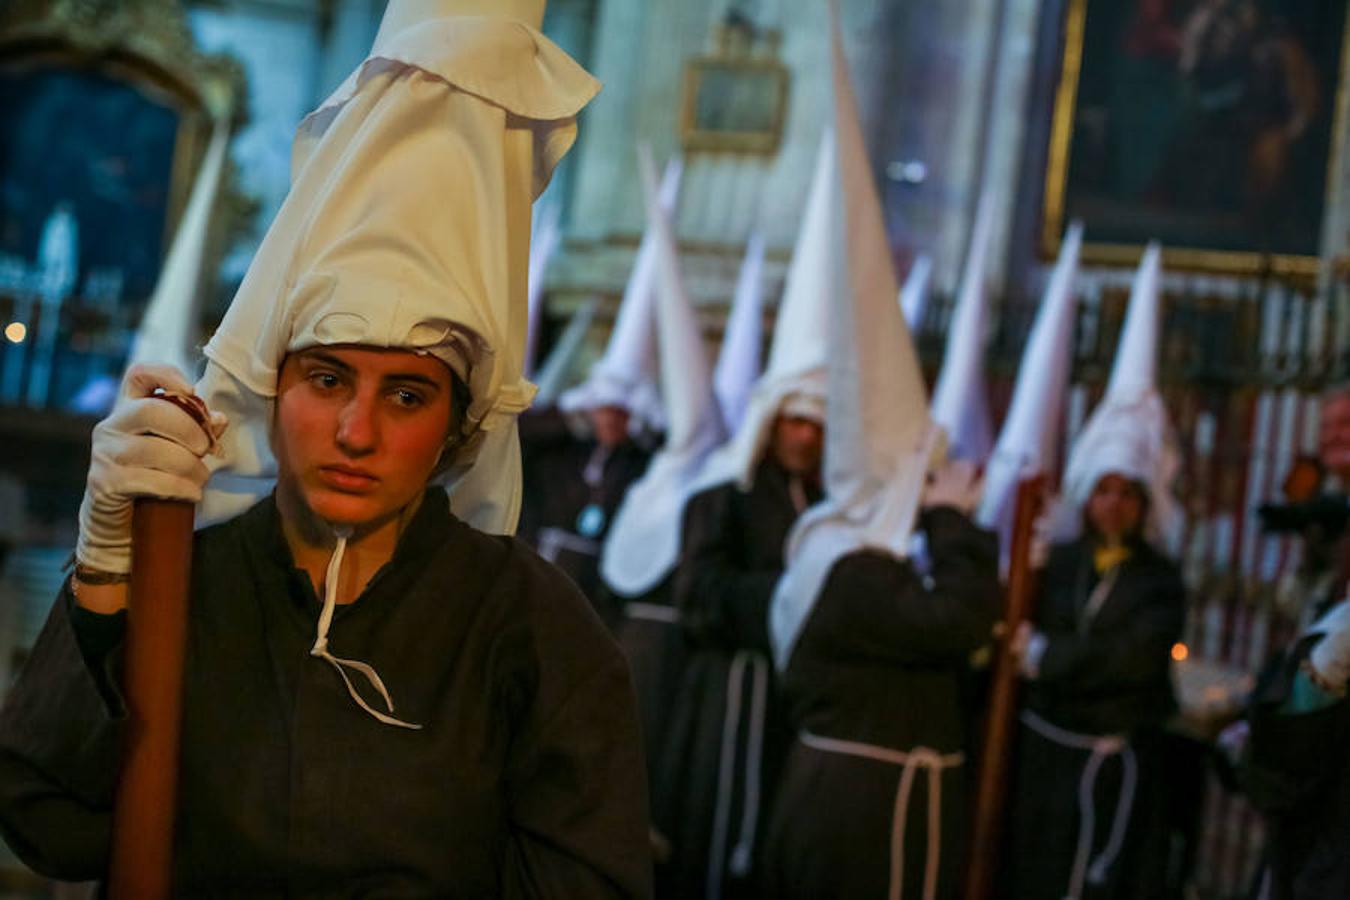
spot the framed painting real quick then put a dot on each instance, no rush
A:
(1208, 125)
(733, 105)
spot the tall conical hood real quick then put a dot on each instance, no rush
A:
(545, 235)
(1129, 433)
(1026, 445)
(644, 540)
(460, 99)
(168, 332)
(625, 376)
(796, 367)
(553, 373)
(878, 434)
(738, 363)
(914, 292)
(960, 401)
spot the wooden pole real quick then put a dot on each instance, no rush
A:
(992, 792)
(147, 794)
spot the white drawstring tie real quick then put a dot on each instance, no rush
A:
(756, 666)
(320, 648)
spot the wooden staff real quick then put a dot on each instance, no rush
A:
(141, 867)
(991, 796)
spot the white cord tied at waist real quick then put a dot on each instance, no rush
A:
(320, 648)
(652, 612)
(757, 666)
(910, 762)
(1100, 747)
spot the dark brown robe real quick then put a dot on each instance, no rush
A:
(526, 779)
(880, 664)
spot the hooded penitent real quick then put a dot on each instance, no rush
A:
(1129, 432)
(625, 376)
(738, 363)
(878, 434)
(168, 331)
(407, 225)
(914, 293)
(794, 380)
(960, 402)
(1026, 445)
(644, 540)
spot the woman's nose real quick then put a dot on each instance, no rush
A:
(358, 429)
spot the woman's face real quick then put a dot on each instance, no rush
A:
(1116, 508)
(359, 429)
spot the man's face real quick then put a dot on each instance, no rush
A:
(359, 430)
(1333, 438)
(1116, 508)
(610, 424)
(797, 444)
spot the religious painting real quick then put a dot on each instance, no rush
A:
(734, 105)
(92, 154)
(1209, 125)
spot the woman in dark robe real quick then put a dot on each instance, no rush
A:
(1089, 803)
(873, 796)
(728, 732)
(380, 699)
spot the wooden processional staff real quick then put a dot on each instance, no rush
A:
(992, 784)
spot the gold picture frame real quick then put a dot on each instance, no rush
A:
(1229, 234)
(733, 105)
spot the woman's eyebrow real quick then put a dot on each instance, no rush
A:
(414, 377)
(327, 359)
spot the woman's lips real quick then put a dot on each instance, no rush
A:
(347, 479)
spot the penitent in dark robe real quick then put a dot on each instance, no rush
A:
(873, 797)
(572, 488)
(1092, 728)
(728, 734)
(525, 779)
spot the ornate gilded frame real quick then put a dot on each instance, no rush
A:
(1298, 267)
(145, 43)
(736, 55)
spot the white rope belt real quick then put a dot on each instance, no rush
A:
(1100, 748)
(910, 762)
(652, 612)
(554, 540)
(756, 665)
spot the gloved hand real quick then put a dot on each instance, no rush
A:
(1027, 647)
(955, 483)
(146, 447)
(1330, 657)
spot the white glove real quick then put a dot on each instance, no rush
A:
(1330, 657)
(956, 484)
(146, 447)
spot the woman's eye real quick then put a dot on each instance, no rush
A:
(324, 380)
(407, 399)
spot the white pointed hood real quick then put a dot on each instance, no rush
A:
(739, 360)
(796, 368)
(878, 434)
(1029, 438)
(407, 226)
(1129, 433)
(625, 376)
(960, 400)
(644, 540)
(914, 293)
(168, 332)
(553, 373)
(545, 235)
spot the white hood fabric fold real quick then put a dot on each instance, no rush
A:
(1027, 443)
(545, 235)
(168, 332)
(796, 367)
(644, 540)
(1129, 433)
(625, 376)
(914, 293)
(739, 360)
(878, 434)
(407, 226)
(960, 397)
